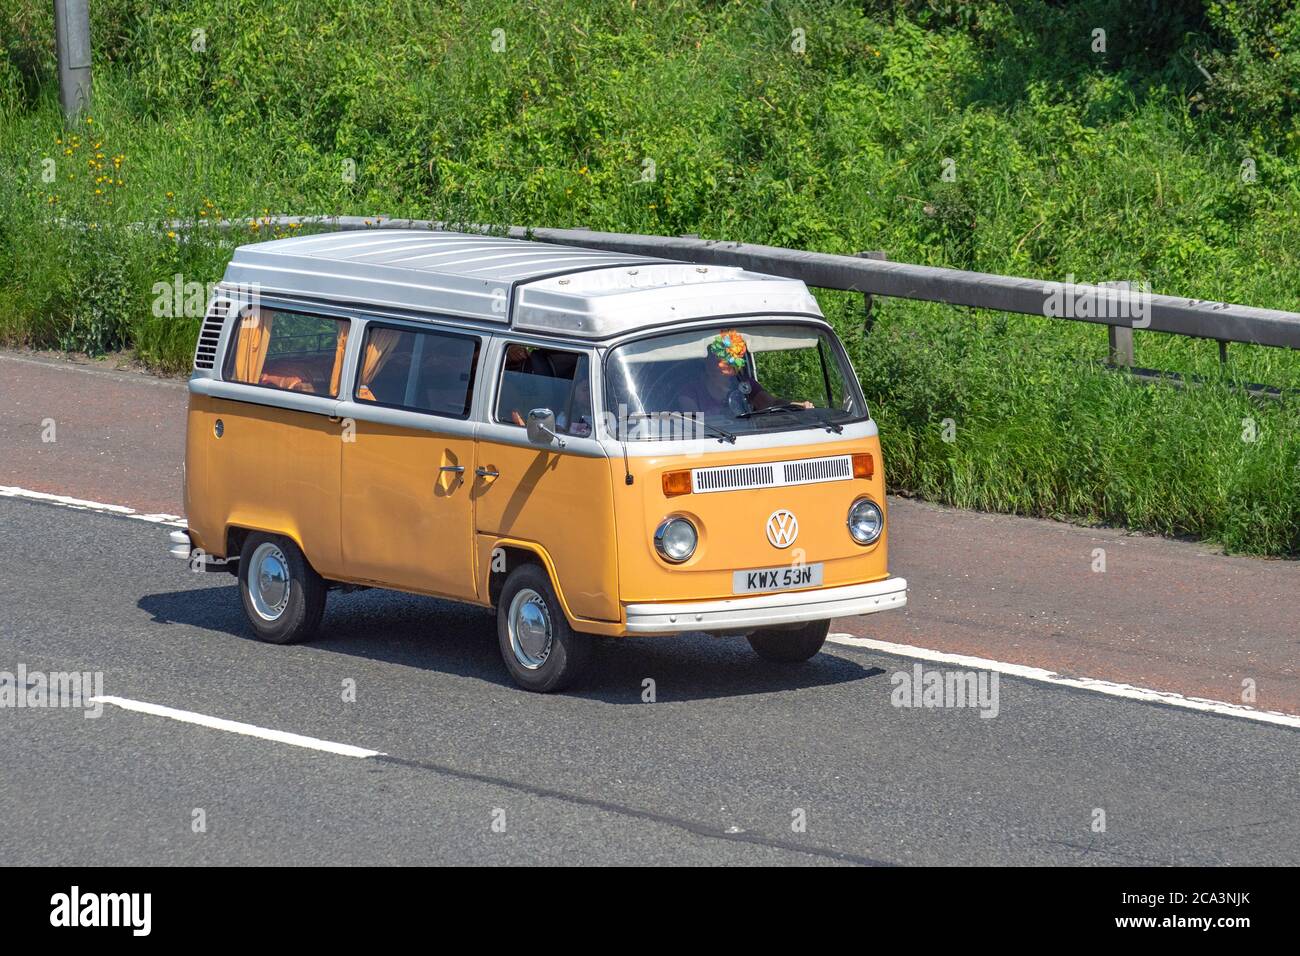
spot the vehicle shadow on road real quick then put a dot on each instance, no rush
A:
(460, 639)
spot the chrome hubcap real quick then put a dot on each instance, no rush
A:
(268, 581)
(530, 629)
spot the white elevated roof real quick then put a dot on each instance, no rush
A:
(615, 300)
(549, 288)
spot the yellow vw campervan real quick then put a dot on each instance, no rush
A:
(592, 443)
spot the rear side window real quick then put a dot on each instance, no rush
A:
(430, 372)
(535, 377)
(290, 351)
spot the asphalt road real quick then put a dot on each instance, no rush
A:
(712, 772)
(1168, 615)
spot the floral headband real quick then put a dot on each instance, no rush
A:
(730, 350)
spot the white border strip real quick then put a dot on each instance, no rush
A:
(1127, 691)
(124, 376)
(235, 727)
(81, 504)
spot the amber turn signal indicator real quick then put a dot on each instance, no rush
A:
(677, 483)
(864, 466)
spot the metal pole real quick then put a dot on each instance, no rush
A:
(72, 38)
(1119, 337)
(1121, 345)
(868, 304)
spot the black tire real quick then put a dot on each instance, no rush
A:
(790, 646)
(305, 603)
(568, 655)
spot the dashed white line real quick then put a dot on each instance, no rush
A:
(81, 504)
(1109, 688)
(237, 727)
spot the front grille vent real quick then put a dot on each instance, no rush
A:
(774, 474)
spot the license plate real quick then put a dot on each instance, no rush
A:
(776, 579)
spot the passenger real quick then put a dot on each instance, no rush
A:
(538, 363)
(516, 358)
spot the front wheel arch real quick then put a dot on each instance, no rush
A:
(518, 553)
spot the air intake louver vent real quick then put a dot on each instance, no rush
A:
(816, 469)
(738, 476)
(774, 474)
(205, 354)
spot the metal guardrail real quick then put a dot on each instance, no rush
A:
(1221, 321)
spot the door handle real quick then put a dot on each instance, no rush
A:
(487, 472)
(458, 469)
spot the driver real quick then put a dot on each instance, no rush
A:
(726, 380)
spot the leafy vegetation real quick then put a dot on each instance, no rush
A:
(982, 135)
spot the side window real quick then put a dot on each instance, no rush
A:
(535, 377)
(291, 351)
(429, 372)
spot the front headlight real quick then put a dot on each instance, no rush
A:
(866, 521)
(675, 539)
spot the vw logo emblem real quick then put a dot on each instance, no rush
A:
(782, 528)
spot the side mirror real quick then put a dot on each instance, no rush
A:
(541, 427)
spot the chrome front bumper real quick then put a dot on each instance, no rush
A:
(766, 610)
(179, 545)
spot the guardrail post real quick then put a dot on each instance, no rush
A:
(72, 40)
(868, 304)
(1121, 345)
(1119, 337)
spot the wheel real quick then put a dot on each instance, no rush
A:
(284, 597)
(790, 646)
(541, 651)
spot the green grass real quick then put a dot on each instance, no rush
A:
(1125, 165)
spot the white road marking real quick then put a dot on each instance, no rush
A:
(236, 727)
(81, 504)
(1110, 688)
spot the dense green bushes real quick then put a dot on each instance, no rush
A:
(696, 116)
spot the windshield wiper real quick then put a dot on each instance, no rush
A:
(722, 434)
(831, 426)
(826, 423)
(783, 407)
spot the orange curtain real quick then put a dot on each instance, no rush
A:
(379, 349)
(254, 341)
(337, 375)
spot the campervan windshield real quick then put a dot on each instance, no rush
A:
(730, 380)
